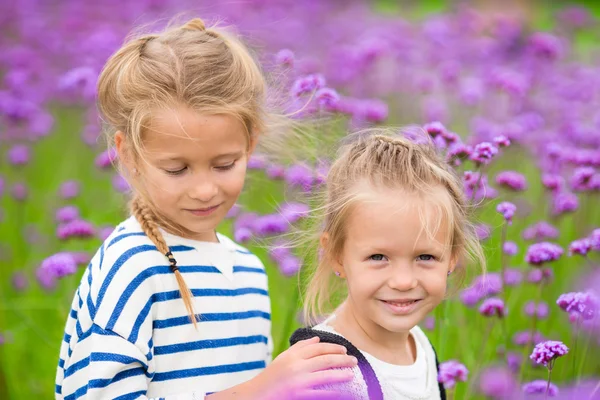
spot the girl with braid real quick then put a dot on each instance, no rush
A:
(395, 227)
(169, 308)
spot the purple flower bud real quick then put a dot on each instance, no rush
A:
(483, 153)
(585, 304)
(539, 387)
(545, 45)
(429, 323)
(493, 307)
(69, 189)
(55, 267)
(18, 155)
(242, 235)
(512, 180)
(540, 253)
(233, 211)
(497, 383)
(279, 251)
(537, 275)
(81, 257)
(507, 210)
(470, 297)
(580, 246)
(482, 231)
(275, 171)
(106, 158)
(457, 153)
(540, 310)
(564, 202)
(451, 372)
(75, 229)
(327, 98)
(510, 248)
(257, 161)
(595, 239)
(290, 265)
(307, 84)
(546, 353)
(67, 214)
(502, 141)
(270, 224)
(120, 184)
(434, 128)
(575, 17)
(525, 338)
(512, 276)
(514, 361)
(293, 212)
(19, 281)
(553, 183)
(372, 110)
(540, 231)
(19, 191)
(580, 181)
(104, 232)
(285, 57)
(300, 175)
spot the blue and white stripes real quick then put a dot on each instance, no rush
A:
(128, 335)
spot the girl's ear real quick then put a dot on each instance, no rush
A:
(253, 143)
(124, 153)
(338, 268)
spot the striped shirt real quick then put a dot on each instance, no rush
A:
(128, 335)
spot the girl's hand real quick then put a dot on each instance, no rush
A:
(295, 373)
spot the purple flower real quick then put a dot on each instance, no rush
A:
(285, 57)
(525, 338)
(584, 304)
(502, 141)
(457, 153)
(470, 297)
(575, 17)
(451, 372)
(429, 323)
(290, 265)
(540, 231)
(514, 361)
(233, 211)
(106, 158)
(540, 253)
(18, 155)
(242, 235)
(275, 171)
(293, 212)
(507, 210)
(482, 231)
(510, 248)
(120, 184)
(580, 246)
(545, 45)
(279, 251)
(493, 307)
(257, 161)
(69, 189)
(512, 276)
(80, 81)
(497, 382)
(537, 275)
(553, 183)
(307, 84)
(546, 353)
(270, 224)
(19, 281)
(81, 257)
(104, 232)
(372, 110)
(581, 178)
(434, 129)
(564, 202)
(327, 98)
(19, 191)
(595, 239)
(75, 229)
(55, 267)
(300, 175)
(512, 180)
(539, 387)
(67, 214)
(540, 310)
(483, 153)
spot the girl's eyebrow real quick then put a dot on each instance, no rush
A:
(234, 154)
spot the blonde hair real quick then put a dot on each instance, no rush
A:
(205, 69)
(385, 158)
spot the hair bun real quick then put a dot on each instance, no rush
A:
(195, 24)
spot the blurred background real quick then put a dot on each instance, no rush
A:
(483, 73)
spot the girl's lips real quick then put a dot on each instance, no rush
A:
(202, 212)
(402, 307)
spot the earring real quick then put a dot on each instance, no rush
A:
(337, 273)
(449, 272)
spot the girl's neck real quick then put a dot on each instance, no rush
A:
(392, 347)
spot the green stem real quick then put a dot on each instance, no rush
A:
(548, 384)
(526, 347)
(481, 358)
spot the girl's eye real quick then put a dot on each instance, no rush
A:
(426, 257)
(377, 257)
(226, 167)
(176, 172)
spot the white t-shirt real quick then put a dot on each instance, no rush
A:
(416, 381)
